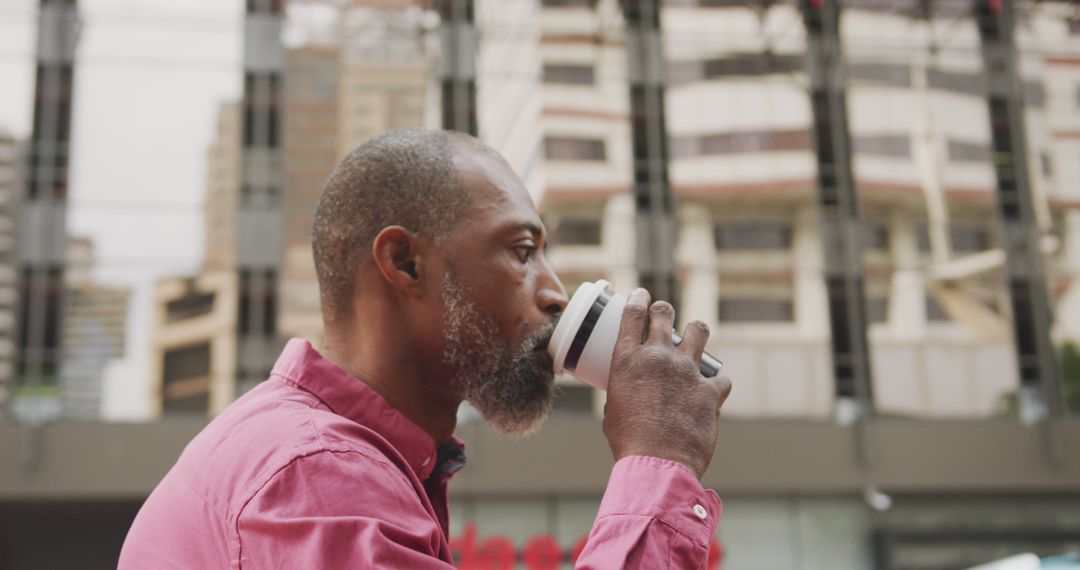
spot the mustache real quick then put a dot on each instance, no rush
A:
(542, 337)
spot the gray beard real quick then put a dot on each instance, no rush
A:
(511, 388)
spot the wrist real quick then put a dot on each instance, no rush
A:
(695, 466)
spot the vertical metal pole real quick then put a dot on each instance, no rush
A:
(839, 209)
(1040, 376)
(457, 35)
(260, 224)
(655, 205)
(42, 231)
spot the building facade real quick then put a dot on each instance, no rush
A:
(743, 170)
(93, 333)
(369, 77)
(193, 351)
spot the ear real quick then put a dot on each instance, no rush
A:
(397, 253)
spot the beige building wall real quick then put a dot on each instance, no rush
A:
(739, 124)
(337, 98)
(197, 315)
(310, 138)
(222, 190)
(377, 96)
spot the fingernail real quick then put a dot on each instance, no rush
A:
(638, 296)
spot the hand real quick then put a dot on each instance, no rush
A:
(658, 402)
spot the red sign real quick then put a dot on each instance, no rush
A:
(541, 552)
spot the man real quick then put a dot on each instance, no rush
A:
(435, 290)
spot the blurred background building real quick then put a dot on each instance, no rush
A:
(10, 188)
(845, 199)
(93, 334)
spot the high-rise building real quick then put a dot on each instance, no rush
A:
(10, 188)
(743, 170)
(42, 217)
(335, 95)
(339, 94)
(193, 348)
(93, 332)
(312, 124)
(222, 191)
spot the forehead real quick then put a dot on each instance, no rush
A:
(500, 201)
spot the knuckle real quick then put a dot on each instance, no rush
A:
(655, 356)
(662, 308)
(687, 368)
(634, 312)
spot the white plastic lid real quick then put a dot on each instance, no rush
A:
(571, 320)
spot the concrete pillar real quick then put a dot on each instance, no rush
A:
(907, 292)
(811, 297)
(1067, 319)
(928, 154)
(696, 254)
(619, 242)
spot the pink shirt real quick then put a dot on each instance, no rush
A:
(313, 469)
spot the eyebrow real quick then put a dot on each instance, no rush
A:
(536, 230)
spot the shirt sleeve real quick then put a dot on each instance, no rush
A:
(338, 510)
(655, 514)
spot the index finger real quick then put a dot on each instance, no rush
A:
(635, 317)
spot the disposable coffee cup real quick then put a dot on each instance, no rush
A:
(584, 339)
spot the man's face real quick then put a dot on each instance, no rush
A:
(500, 301)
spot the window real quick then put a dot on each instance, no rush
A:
(755, 142)
(566, 148)
(186, 379)
(577, 231)
(965, 83)
(760, 235)
(969, 238)
(569, 3)
(934, 312)
(755, 310)
(258, 300)
(962, 151)
(262, 93)
(880, 74)
(752, 64)
(965, 237)
(1047, 163)
(191, 305)
(875, 235)
(877, 309)
(271, 6)
(37, 357)
(895, 146)
(922, 236)
(569, 74)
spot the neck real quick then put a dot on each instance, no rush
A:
(384, 362)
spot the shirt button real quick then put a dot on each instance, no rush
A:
(700, 512)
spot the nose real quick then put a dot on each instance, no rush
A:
(552, 296)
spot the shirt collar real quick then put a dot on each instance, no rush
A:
(300, 364)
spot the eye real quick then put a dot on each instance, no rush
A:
(525, 252)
